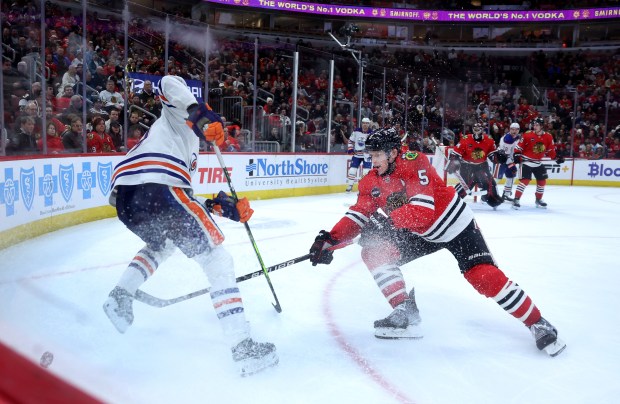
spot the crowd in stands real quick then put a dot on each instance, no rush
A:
(449, 93)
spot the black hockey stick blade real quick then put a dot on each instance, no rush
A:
(154, 301)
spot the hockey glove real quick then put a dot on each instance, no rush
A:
(205, 123)
(511, 171)
(224, 205)
(453, 166)
(319, 253)
(560, 160)
(517, 158)
(350, 151)
(501, 157)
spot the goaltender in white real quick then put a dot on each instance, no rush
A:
(153, 197)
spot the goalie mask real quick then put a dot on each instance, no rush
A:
(477, 131)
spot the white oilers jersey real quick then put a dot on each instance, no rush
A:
(168, 153)
(357, 142)
(507, 143)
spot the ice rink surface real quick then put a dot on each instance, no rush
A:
(567, 258)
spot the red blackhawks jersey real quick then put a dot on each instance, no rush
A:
(474, 152)
(432, 209)
(533, 147)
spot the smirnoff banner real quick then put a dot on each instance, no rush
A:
(427, 15)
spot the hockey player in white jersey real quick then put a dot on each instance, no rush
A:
(357, 147)
(507, 145)
(153, 197)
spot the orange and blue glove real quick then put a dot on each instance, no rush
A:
(225, 206)
(205, 123)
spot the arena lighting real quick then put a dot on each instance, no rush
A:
(348, 30)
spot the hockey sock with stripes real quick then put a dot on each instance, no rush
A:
(491, 282)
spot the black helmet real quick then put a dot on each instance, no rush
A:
(383, 139)
(539, 121)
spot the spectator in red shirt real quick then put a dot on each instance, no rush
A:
(53, 140)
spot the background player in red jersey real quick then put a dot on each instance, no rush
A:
(533, 146)
(469, 157)
(422, 215)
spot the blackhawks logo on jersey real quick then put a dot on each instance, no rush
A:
(539, 147)
(478, 154)
(410, 155)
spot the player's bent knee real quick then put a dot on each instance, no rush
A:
(487, 279)
(217, 264)
(380, 254)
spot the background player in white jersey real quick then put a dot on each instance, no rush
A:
(357, 147)
(153, 196)
(507, 145)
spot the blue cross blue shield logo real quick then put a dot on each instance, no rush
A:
(66, 177)
(26, 180)
(104, 177)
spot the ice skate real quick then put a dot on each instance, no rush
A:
(349, 188)
(546, 337)
(119, 309)
(507, 197)
(252, 357)
(541, 204)
(402, 323)
(516, 203)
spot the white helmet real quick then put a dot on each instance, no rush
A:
(515, 125)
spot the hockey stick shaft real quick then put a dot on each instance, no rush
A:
(157, 302)
(218, 153)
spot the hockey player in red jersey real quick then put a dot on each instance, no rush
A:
(153, 196)
(422, 215)
(532, 147)
(469, 157)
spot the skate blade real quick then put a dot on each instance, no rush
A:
(555, 348)
(515, 207)
(119, 323)
(411, 332)
(541, 207)
(252, 366)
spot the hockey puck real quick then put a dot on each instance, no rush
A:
(46, 359)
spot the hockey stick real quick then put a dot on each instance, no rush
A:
(157, 302)
(218, 153)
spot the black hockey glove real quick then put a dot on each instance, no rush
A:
(501, 157)
(517, 158)
(319, 253)
(453, 166)
(560, 160)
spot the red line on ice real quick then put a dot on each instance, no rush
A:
(362, 362)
